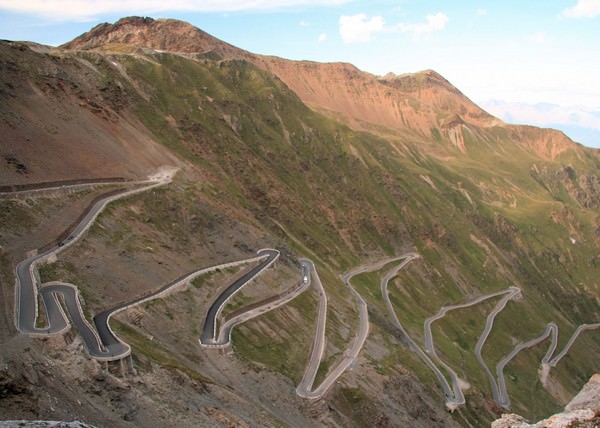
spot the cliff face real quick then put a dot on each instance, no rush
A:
(583, 411)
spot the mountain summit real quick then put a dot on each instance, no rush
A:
(169, 35)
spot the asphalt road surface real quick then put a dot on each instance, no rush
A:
(101, 342)
(262, 307)
(209, 329)
(350, 355)
(28, 283)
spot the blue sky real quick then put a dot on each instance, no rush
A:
(532, 51)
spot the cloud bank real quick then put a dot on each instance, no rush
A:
(359, 28)
(432, 23)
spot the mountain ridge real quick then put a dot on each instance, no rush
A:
(180, 37)
(407, 103)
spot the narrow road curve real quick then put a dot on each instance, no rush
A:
(209, 329)
(428, 339)
(262, 307)
(584, 327)
(318, 346)
(350, 355)
(548, 361)
(26, 271)
(510, 293)
(498, 382)
(28, 283)
(108, 337)
(453, 394)
(103, 344)
(502, 398)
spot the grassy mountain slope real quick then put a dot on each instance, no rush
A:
(487, 206)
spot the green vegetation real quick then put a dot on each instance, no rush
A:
(495, 216)
(286, 351)
(486, 225)
(354, 402)
(153, 350)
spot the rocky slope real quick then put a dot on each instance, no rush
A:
(583, 411)
(163, 34)
(60, 119)
(485, 204)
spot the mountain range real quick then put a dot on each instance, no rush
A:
(321, 161)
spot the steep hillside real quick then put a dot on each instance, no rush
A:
(60, 118)
(423, 102)
(416, 102)
(487, 206)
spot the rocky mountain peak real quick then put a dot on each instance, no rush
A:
(412, 82)
(414, 102)
(159, 34)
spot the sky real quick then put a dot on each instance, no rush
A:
(511, 56)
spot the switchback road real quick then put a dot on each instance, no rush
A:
(209, 329)
(350, 355)
(103, 344)
(28, 283)
(262, 307)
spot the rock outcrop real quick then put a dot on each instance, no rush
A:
(583, 411)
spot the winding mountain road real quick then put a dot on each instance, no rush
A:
(262, 307)
(28, 283)
(209, 328)
(100, 342)
(453, 394)
(549, 360)
(103, 344)
(350, 355)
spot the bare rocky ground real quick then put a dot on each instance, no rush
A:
(44, 424)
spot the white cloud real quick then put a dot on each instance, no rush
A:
(583, 9)
(432, 23)
(304, 24)
(580, 123)
(322, 37)
(544, 113)
(538, 38)
(65, 10)
(358, 28)
(481, 12)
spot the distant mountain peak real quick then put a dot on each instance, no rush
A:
(170, 35)
(411, 82)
